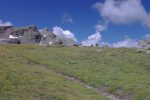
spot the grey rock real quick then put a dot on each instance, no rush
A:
(25, 35)
(144, 44)
(10, 41)
(31, 35)
(5, 31)
(49, 38)
(66, 41)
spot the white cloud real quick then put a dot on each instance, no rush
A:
(95, 38)
(123, 11)
(92, 40)
(105, 44)
(147, 36)
(128, 43)
(67, 18)
(100, 27)
(5, 23)
(63, 33)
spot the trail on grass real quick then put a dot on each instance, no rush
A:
(77, 80)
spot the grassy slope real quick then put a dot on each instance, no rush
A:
(123, 72)
(21, 80)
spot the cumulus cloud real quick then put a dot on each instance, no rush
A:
(92, 40)
(101, 27)
(147, 36)
(67, 18)
(63, 33)
(120, 12)
(5, 23)
(123, 11)
(129, 43)
(95, 38)
(103, 44)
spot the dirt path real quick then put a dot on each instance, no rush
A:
(77, 80)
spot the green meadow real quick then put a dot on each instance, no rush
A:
(122, 72)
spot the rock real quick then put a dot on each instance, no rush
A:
(75, 45)
(10, 41)
(66, 41)
(5, 31)
(24, 35)
(3, 41)
(14, 41)
(145, 44)
(27, 35)
(49, 38)
(31, 35)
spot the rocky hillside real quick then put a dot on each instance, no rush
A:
(31, 35)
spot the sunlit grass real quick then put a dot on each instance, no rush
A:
(121, 71)
(21, 80)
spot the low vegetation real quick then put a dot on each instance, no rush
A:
(122, 72)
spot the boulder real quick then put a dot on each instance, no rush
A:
(49, 38)
(66, 41)
(145, 44)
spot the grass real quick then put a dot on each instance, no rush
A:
(122, 72)
(21, 80)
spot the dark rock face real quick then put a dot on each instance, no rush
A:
(5, 31)
(25, 35)
(48, 38)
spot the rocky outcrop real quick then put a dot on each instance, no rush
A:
(31, 35)
(10, 41)
(66, 41)
(145, 44)
(49, 38)
(5, 31)
(24, 35)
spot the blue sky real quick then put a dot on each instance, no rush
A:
(81, 17)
